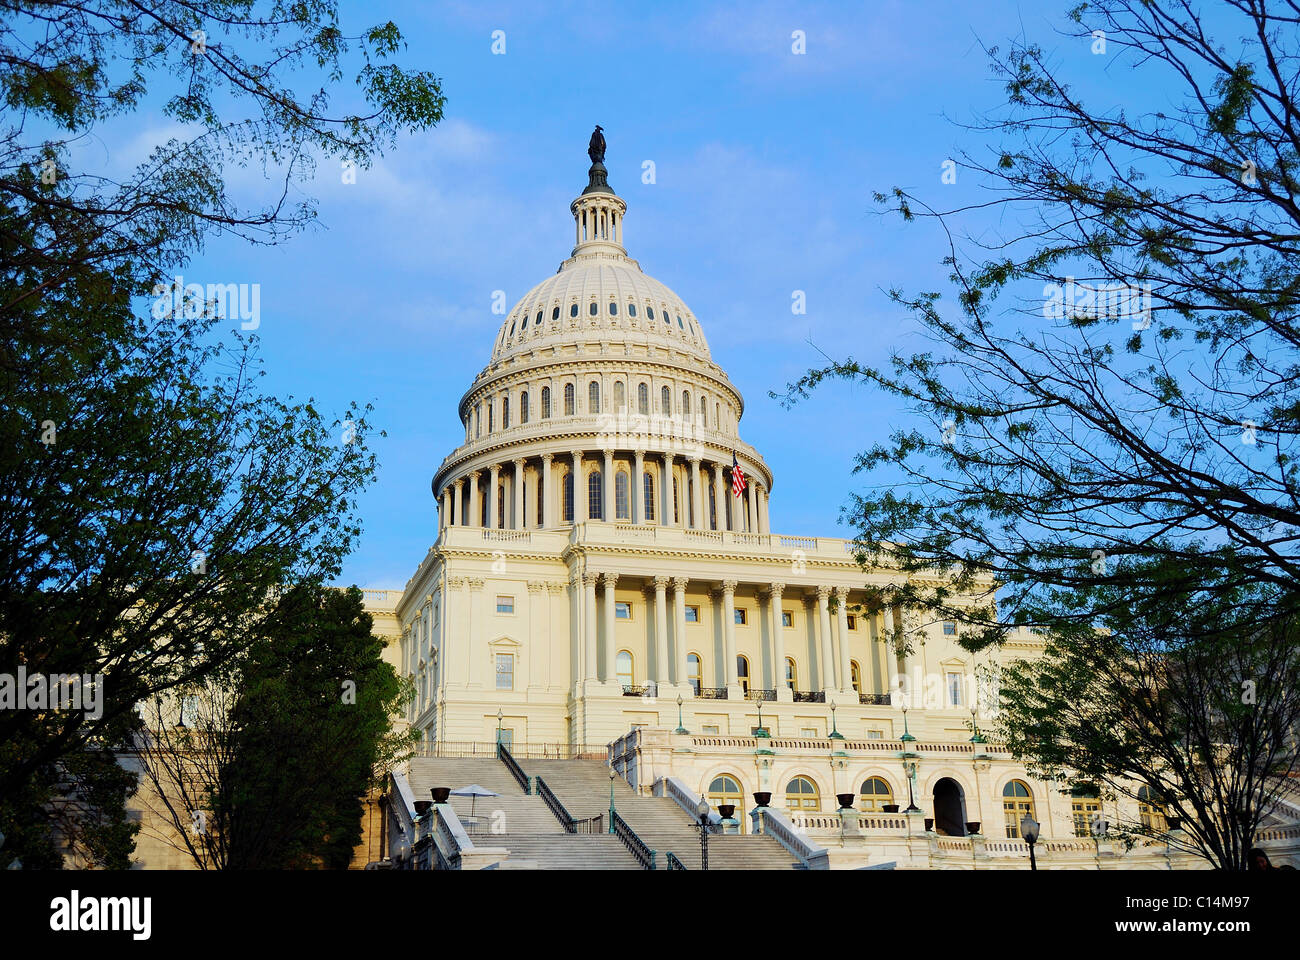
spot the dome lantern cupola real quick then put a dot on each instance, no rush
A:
(598, 213)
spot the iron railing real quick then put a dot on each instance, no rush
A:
(674, 863)
(768, 696)
(487, 749)
(513, 766)
(636, 690)
(879, 699)
(810, 696)
(713, 693)
(644, 855)
(570, 825)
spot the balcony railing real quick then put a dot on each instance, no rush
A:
(810, 696)
(878, 699)
(637, 690)
(768, 696)
(713, 693)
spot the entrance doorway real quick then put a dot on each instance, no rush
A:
(949, 808)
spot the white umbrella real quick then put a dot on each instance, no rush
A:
(474, 791)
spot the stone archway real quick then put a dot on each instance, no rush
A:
(949, 808)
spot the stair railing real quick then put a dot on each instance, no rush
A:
(644, 855)
(674, 863)
(570, 825)
(513, 766)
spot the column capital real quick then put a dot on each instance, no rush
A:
(519, 462)
(589, 579)
(475, 474)
(661, 583)
(476, 584)
(607, 452)
(841, 593)
(823, 593)
(729, 586)
(536, 586)
(639, 452)
(776, 589)
(696, 460)
(609, 579)
(547, 458)
(576, 454)
(680, 583)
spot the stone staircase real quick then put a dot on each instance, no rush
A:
(525, 826)
(583, 787)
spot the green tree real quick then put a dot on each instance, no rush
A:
(1111, 411)
(276, 755)
(152, 497)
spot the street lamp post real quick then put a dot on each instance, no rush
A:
(702, 808)
(500, 716)
(681, 728)
(612, 775)
(1029, 830)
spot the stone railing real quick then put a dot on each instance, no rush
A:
(677, 791)
(772, 821)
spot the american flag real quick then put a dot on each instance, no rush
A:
(738, 481)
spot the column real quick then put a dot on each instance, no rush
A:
(589, 621)
(609, 580)
(579, 489)
(548, 492)
(783, 693)
(719, 491)
(444, 504)
(842, 626)
(826, 658)
(679, 629)
(493, 494)
(458, 509)
(729, 631)
(873, 641)
(697, 501)
(751, 509)
(764, 518)
(661, 631)
(475, 504)
(607, 488)
(519, 521)
(666, 491)
(638, 484)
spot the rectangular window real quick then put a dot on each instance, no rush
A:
(875, 735)
(1085, 813)
(505, 671)
(505, 604)
(622, 610)
(949, 628)
(507, 737)
(787, 618)
(189, 711)
(954, 689)
(853, 622)
(740, 616)
(808, 732)
(692, 614)
(710, 728)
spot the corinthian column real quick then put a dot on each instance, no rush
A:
(827, 657)
(609, 580)
(607, 488)
(729, 632)
(783, 693)
(697, 501)
(719, 492)
(661, 631)
(579, 489)
(548, 492)
(637, 493)
(589, 620)
(475, 500)
(666, 491)
(842, 625)
(494, 518)
(679, 628)
(458, 510)
(518, 523)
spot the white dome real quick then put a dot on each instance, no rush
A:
(630, 307)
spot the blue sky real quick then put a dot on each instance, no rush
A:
(765, 163)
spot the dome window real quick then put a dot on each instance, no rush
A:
(613, 309)
(512, 329)
(631, 309)
(679, 324)
(555, 314)
(573, 309)
(667, 319)
(595, 308)
(524, 326)
(650, 312)
(539, 317)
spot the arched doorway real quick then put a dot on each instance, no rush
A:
(949, 808)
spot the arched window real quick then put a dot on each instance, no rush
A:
(873, 796)
(568, 399)
(665, 402)
(1151, 811)
(501, 506)
(595, 498)
(573, 309)
(555, 314)
(523, 407)
(546, 403)
(492, 410)
(855, 672)
(642, 399)
(801, 795)
(650, 312)
(695, 672)
(724, 789)
(631, 309)
(594, 309)
(791, 674)
(478, 421)
(648, 494)
(713, 508)
(593, 397)
(686, 404)
(505, 412)
(541, 504)
(742, 671)
(1017, 800)
(538, 321)
(623, 669)
(619, 399)
(704, 412)
(622, 507)
(568, 497)
(717, 416)
(677, 513)
(613, 309)
(1085, 807)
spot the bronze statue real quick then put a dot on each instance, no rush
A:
(596, 148)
